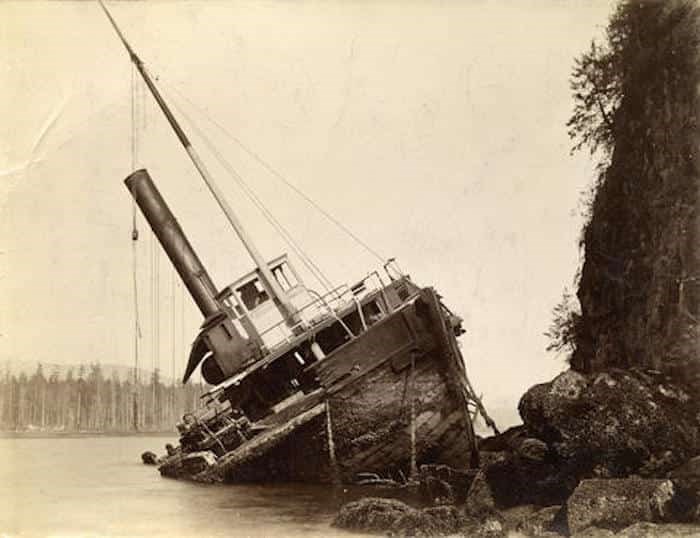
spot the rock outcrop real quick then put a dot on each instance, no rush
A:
(372, 514)
(613, 423)
(639, 289)
(389, 516)
(618, 503)
(513, 480)
(611, 445)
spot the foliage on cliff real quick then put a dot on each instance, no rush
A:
(636, 108)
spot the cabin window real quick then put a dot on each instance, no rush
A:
(372, 312)
(284, 276)
(230, 304)
(252, 294)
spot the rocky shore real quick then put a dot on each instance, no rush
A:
(611, 446)
(615, 453)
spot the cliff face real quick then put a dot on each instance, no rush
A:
(640, 283)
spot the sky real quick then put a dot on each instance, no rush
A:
(434, 131)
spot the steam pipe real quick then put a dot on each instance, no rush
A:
(174, 241)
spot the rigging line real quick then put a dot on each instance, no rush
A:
(152, 290)
(156, 340)
(134, 251)
(173, 307)
(279, 227)
(280, 177)
(154, 267)
(134, 234)
(173, 321)
(133, 144)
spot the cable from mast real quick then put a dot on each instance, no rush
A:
(274, 222)
(155, 297)
(262, 162)
(173, 341)
(134, 254)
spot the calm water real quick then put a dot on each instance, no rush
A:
(96, 486)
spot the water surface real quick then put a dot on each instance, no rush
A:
(97, 486)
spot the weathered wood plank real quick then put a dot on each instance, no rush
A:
(262, 442)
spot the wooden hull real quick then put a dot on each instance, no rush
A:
(390, 401)
(370, 432)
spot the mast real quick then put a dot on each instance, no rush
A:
(269, 281)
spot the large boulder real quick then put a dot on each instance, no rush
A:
(372, 514)
(617, 503)
(395, 518)
(612, 424)
(516, 479)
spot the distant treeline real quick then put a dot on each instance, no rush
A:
(84, 400)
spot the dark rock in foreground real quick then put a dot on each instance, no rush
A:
(515, 479)
(372, 514)
(617, 503)
(612, 424)
(389, 516)
(606, 425)
(149, 458)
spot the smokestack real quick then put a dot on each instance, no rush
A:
(174, 241)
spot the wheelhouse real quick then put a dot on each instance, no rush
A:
(326, 322)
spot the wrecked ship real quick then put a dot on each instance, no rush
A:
(307, 386)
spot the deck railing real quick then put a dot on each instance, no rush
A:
(322, 307)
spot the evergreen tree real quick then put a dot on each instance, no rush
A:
(635, 108)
